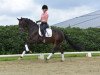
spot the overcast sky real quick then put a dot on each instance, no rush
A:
(59, 10)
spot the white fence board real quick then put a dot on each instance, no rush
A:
(49, 53)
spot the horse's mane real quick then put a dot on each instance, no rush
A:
(29, 20)
(31, 23)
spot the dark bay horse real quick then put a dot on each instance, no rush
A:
(32, 28)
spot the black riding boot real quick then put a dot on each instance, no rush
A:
(44, 36)
(43, 27)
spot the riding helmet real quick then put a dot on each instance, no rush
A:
(44, 7)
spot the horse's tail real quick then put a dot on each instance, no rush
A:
(73, 45)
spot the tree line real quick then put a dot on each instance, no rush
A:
(12, 43)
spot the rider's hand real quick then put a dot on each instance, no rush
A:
(36, 21)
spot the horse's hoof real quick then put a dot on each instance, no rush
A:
(46, 60)
(30, 52)
(62, 60)
(20, 58)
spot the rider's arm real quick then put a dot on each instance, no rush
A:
(38, 21)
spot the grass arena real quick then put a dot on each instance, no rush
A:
(31, 65)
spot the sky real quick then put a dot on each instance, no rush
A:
(59, 10)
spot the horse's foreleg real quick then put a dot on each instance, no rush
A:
(24, 52)
(26, 48)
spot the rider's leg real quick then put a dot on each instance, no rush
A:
(44, 31)
(43, 27)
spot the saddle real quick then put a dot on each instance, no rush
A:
(48, 32)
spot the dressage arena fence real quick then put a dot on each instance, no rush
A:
(41, 55)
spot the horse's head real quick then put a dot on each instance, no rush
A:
(23, 22)
(26, 24)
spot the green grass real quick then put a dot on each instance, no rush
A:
(16, 58)
(35, 57)
(8, 58)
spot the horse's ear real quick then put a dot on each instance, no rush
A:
(18, 19)
(21, 17)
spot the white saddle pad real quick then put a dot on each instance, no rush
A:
(48, 32)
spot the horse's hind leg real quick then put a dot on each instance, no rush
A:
(50, 55)
(53, 51)
(55, 48)
(62, 54)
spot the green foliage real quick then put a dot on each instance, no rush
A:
(11, 42)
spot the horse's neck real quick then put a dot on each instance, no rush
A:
(32, 28)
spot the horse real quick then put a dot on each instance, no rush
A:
(29, 26)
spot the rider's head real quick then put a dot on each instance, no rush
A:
(44, 8)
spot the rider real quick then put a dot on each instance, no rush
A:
(44, 20)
